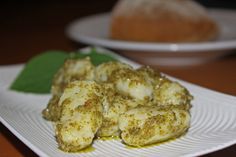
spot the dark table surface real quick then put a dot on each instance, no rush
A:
(27, 28)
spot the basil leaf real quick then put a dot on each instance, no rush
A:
(96, 57)
(37, 75)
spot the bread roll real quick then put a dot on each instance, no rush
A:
(161, 21)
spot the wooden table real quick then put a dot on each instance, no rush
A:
(30, 28)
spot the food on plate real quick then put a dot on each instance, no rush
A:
(171, 93)
(162, 21)
(71, 70)
(81, 115)
(141, 106)
(151, 124)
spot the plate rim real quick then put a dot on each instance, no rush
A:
(210, 46)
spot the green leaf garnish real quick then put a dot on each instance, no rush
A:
(38, 73)
(96, 58)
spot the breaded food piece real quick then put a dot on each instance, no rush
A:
(72, 69)
(81, 115)
(171, 93)
(147, 125)
(131, 83)
(114, 104)
(111, 113)
(110, 117)
(154, 77)
(104, 71)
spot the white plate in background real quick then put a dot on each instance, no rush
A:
(213, 126)
(94, 30)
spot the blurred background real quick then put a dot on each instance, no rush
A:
(25, 21)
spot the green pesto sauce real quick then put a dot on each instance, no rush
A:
(154, 144)
(149, 145)
(108, 138)
(87, 149)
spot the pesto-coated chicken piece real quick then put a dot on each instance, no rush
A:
(147, 125)
(152, 76)
(114, 104)
(111, 113)
(110, 117)
(72, 69)
(103, 72)
(131, 83)
(171, 93)
(81, 115)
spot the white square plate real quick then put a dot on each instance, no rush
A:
(212, 128)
